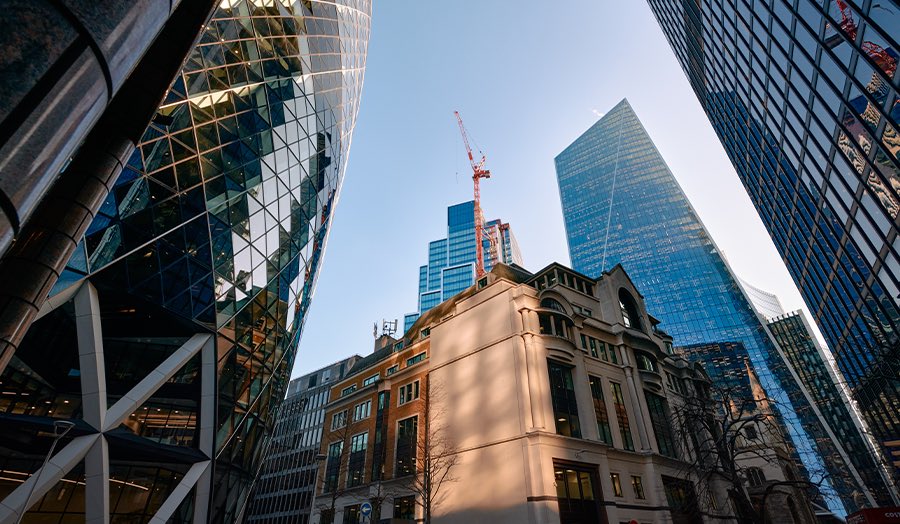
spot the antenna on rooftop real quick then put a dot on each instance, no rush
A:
(389, 327)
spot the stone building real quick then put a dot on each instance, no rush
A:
(555, 394)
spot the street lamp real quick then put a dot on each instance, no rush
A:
(60, 428)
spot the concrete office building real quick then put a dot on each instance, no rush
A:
(283, 493)
(167, 341)
(804, 98)
(556, 393)
(451, 261)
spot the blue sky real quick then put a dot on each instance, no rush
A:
(528, 77)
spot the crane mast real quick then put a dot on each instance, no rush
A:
(478, 172)
(880, 55)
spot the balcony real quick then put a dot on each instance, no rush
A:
(648, 370)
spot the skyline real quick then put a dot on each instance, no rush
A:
(451, 265)
(684, 306)
(390, 181)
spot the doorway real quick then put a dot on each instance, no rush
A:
(578, 493)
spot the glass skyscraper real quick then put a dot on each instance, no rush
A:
(803, 95)
(767, 304)
(169, 339)
(858, 478)
(622, 205)
(806, 359)
(451, 260)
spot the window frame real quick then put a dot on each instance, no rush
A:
(334, 420)
(616, 481)
(411, 507)
(357, 410)
(563, 398)
(553, 305)
(352, 509)
(604, 428)
(637, 486)
(750, 432)
(620, 406)
(629, 308)
(354, 441)
(333, 460)
(415, 359)
(403, 397)
(660, 422)
(555, 324)
(756, 477)
(413, 445)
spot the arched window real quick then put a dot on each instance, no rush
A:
(630, 314)
(645, 362)
(554, 324)
(553, 304)
(755, 477)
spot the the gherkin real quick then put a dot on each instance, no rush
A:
(169, 339)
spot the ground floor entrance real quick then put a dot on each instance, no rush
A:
(682, 500)
(578, 493)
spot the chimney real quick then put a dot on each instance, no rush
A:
(384, 341)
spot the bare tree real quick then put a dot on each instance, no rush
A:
(377, 495)
(336, 468)
(436, 453)
(723, 433)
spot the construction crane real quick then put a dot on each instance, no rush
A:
(478, 172)
(879, 54)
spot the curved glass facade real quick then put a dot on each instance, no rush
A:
(215, 228)
(804, 97)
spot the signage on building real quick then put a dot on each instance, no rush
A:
(875, 516)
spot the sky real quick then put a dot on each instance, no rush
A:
(528, 78)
